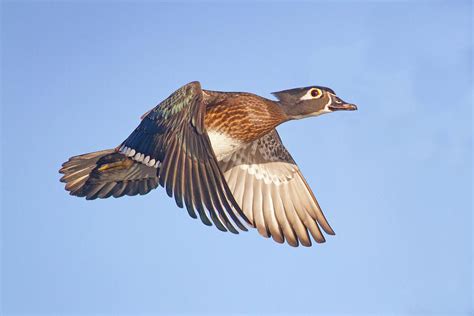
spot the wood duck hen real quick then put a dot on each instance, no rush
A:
(220, 156)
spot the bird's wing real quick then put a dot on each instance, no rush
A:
(172, 136)
(272, 192)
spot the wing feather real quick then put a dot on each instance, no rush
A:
(272, 192)
(119, 188)
(189, 199)
(247, 200)
(258, 209)
(201, 197)
(292, 215)
(269, 216)
(179, 179)
(239, 185)
(288, 231)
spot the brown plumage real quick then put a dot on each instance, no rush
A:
(252, 116)
(219, 155)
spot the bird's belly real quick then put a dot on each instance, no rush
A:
(223, 144)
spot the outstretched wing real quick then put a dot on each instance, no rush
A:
(272, 192)
(172, 138)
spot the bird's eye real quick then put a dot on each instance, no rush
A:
(313, 93)
(316, 93)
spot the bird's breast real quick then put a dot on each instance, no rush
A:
(223, 144)
(235, 119)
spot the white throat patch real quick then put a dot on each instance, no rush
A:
(326, 107)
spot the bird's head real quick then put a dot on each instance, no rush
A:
(311, 101)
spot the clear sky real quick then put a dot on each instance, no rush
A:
(394, 178)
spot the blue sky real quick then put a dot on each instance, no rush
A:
(394, 178)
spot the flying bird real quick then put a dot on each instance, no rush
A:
(220, 156)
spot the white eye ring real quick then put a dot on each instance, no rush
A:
(310, 94)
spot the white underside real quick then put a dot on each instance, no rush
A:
(222, 144)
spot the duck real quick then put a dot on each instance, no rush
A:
(221, 158)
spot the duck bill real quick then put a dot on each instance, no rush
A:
(342, 107)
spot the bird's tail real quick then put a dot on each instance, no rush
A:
(106, 173)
